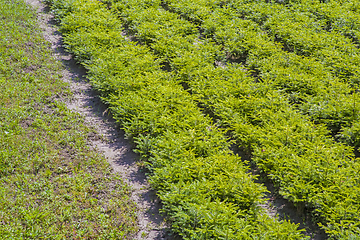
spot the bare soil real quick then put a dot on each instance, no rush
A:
(108, 139)
(278, 207)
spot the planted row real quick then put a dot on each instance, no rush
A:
(309, 167)
(324, 90)
(301, 32)
(307, 82)
(205, 189)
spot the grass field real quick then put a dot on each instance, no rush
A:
(52, 185)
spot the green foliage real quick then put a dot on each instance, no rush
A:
(280, 77)
(292, 73)
(204, 188)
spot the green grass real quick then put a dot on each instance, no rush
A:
(52, 185)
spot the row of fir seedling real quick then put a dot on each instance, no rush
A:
(205, 189)
(263, 94)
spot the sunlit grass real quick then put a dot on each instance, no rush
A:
(52, 186)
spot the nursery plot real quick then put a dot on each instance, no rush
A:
(275, 77)
(188, 59)
(205, 189)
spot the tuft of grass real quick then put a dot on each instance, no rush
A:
(52, 185)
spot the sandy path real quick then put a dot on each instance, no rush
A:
(109, 140)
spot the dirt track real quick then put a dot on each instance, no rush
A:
(109, 139)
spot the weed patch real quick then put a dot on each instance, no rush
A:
(53, 186)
